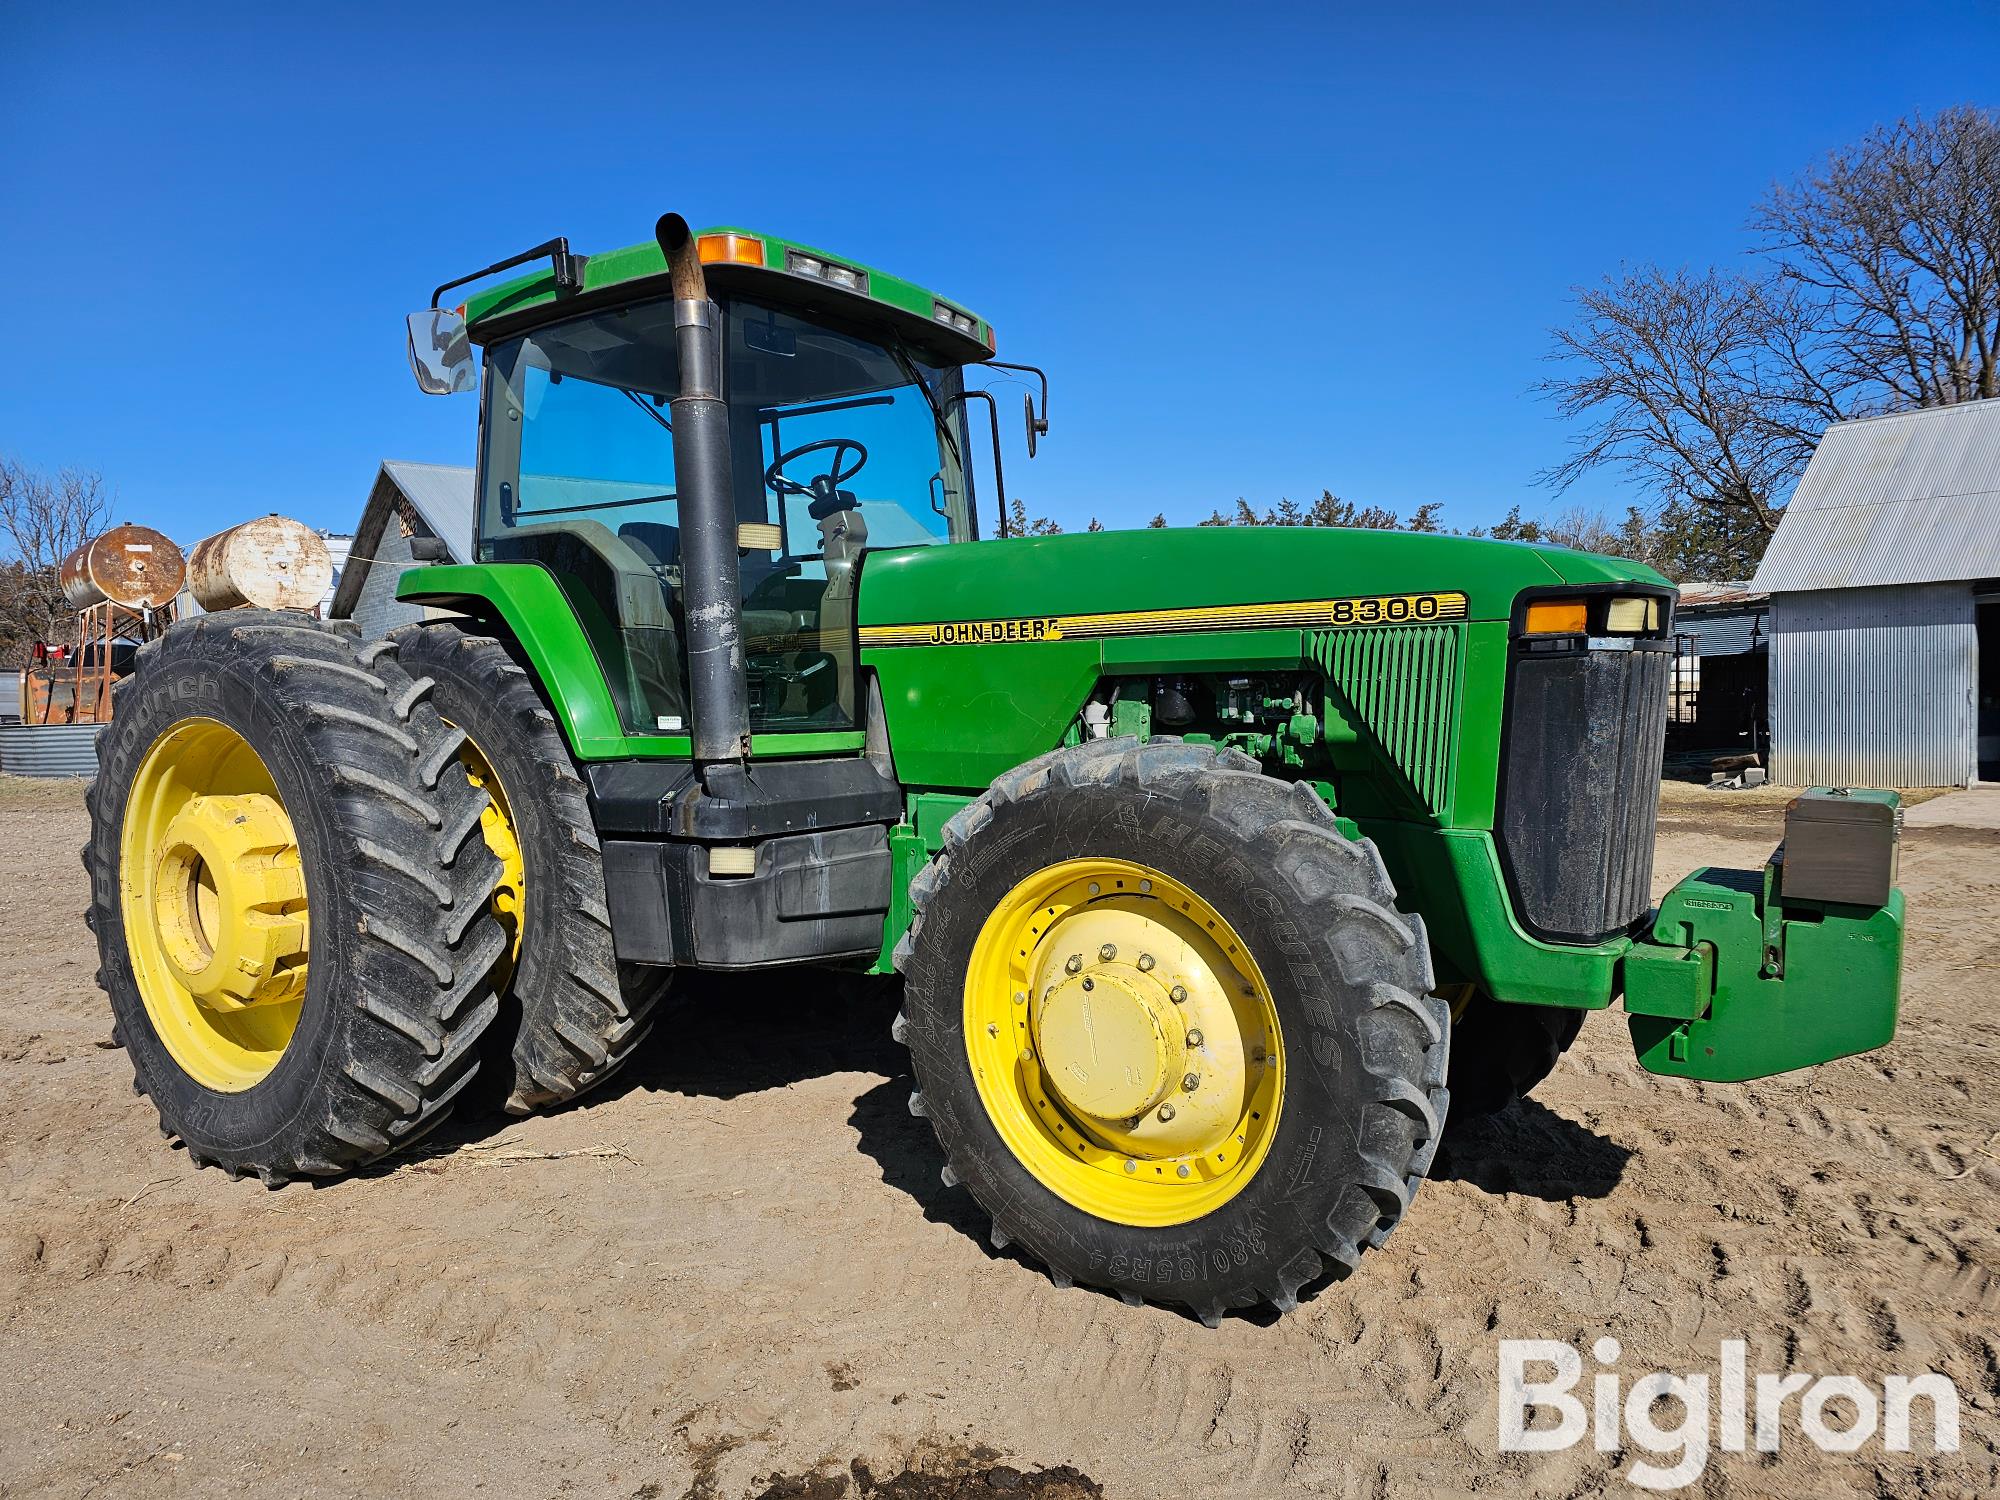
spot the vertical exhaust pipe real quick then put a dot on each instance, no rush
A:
(718, 690)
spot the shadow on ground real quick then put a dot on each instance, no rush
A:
(1529, 1148)
(722, 1036)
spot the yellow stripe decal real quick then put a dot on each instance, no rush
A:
(1310, 614)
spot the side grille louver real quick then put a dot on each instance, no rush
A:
(1401, 682)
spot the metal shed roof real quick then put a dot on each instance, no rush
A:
(1909, 498)
(441, 495)
(1721, 596)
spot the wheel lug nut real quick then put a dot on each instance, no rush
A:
(1131, 1165)
(1073, 963)
(1182, 1169)
(1178, 994)
(1166, 1113)
(1020, 998)
(1194, 1038)
(1145, 963)
(1190, 1083)
(1108, 952)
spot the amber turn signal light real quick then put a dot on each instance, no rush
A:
(735, 249)
(1556, 617)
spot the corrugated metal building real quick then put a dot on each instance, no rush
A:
(408, 502)
(1885, 605)
(1724, 619)
(49, 749)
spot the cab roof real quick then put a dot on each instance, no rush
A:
(750, 262)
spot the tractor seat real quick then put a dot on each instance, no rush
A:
(655, 541)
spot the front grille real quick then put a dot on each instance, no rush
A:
(1580, 786)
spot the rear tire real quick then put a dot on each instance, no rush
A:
(395, 882)
(571, 1014)
(1363, 1043)
(1500, 1052)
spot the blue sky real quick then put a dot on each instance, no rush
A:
(1261, 249)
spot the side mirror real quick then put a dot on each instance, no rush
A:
(441, 353)
(1038, 425)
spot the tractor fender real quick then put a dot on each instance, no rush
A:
(524, 602)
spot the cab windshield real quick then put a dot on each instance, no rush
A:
(839, 442)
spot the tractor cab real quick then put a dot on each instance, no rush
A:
(842, 416)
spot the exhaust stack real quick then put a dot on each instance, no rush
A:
(718, 690)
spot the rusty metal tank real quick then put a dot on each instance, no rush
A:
(272, 562)
(130, 565)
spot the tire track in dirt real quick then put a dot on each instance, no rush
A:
(674, 1316)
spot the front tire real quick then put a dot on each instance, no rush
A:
(1169, 1027)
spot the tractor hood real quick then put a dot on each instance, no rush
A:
(1203, 568)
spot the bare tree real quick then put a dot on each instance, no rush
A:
(1713, 388)
(1898, 238)
(43, 518)
(1705, 387)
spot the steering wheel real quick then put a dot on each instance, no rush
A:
(823, 486)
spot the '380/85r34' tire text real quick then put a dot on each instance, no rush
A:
(290, 895)
(1169, 1026)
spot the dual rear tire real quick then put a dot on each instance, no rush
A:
(571, 1014)
(290, 896)
(339, 889)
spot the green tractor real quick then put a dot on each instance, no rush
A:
(1214, 863)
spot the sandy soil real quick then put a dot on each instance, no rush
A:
(740, 1264)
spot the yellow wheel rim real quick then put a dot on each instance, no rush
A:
(1124, 1042)
(214, 905)
(1459, 997)
(496, 825)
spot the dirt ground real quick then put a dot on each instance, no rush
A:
(737, 1272)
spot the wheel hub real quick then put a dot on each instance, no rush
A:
(230, 914)
(1123, 1041)
(1110, 1045)
(213, 897)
